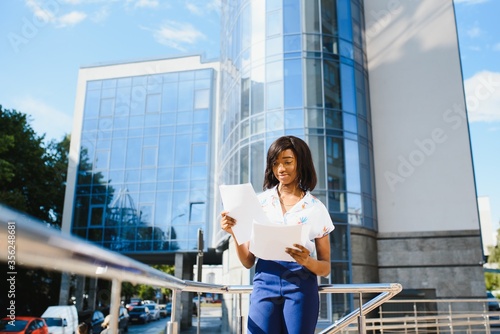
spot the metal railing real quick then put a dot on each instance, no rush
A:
(32, 244)
(434, 316)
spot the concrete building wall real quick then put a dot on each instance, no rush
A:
(427, 211)
(448, 262)
(423, 165)
(364, 256)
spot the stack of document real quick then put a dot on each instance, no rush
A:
(268, 240)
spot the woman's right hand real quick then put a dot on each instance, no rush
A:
(227, 222)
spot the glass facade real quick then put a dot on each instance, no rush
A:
(142, 182)
(298, 67)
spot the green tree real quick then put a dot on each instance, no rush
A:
(32, 174)
(32, 180)
(492, 280)
(58, 161)
(129, 290)
(146, 291)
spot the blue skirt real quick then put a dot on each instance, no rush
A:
(284, 299)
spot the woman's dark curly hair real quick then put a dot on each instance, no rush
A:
(305, 167)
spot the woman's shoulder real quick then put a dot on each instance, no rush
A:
(266, 193)
(309, 197)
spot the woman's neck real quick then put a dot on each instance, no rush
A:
(291, 189)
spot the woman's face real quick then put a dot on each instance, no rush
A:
(285, 167)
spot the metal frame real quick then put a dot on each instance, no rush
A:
(37, 245)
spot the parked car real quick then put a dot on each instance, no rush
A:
(139, 314)
(165, 309)
(61, 319)
(493, 303)
(123, 318)
(24, 325)
(154, 311)
(93, 320)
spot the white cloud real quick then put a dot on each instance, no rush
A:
(474, 31)
(70, 19)
(100, 15)
(50, 12)
(482, 92)
(130, 4)
(194, 9)
(177, 35)
(496, 47)
(204, 7)
(44, 118)
(44, 14)
(146, 3)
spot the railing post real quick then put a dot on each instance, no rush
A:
(415, 314)
(361, 318)
(381, 316)
(172, 324)
(239, 324)
(450, 317)
(114, 310)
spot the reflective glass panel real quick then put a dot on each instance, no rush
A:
(352, 166)
(153, 103)
(293, 83)
(274, 23)
(274, 95)
(291, 16)
(313, 84)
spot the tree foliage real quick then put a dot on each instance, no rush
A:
(32, 173)
(32, 180)
(492, 280)
(146, 291)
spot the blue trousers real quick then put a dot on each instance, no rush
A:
(284, 300)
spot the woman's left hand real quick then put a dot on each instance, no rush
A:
(299, 254)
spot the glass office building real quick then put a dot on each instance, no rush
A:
(298, 67)
(142, 182)
(153, 140)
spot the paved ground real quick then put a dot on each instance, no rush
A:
(210, 321)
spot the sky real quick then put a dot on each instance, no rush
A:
(45, 42)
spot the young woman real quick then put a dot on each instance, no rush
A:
(285, 295)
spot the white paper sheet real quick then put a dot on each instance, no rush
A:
(269, 241)
(241, 201)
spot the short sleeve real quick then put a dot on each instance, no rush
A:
(320, 220)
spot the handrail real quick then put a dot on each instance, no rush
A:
(386, 292)
(35, 245)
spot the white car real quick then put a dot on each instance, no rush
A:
(202, 299)
(62, 319)
(154, 311)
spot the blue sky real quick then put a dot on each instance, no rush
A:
(45, 42)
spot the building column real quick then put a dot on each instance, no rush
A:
(64, 289)
(184, 270)
(79, 289)
(92, 293)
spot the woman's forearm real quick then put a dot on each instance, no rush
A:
(318, 267)
(246, 257)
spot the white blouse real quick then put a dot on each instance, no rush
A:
(309, 210)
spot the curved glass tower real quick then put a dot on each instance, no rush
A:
(297, 67)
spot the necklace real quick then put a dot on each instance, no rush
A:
(289, 205)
